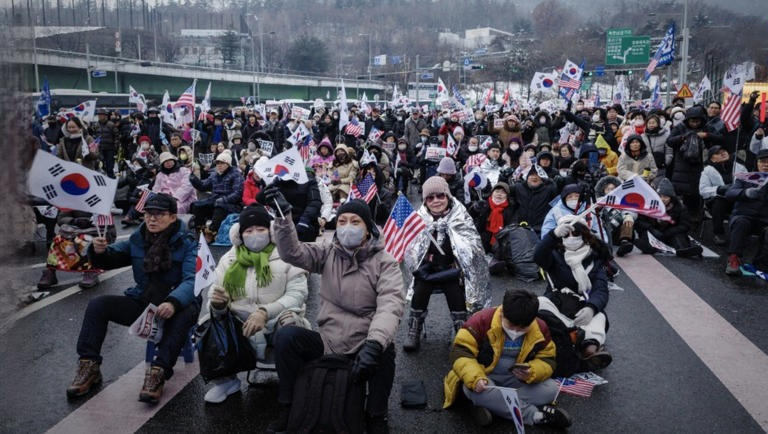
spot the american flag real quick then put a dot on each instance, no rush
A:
(353, 128)
(374, 134)
(568, 82)
(104, 220)
(365, 190)
(474, 160)
(187, 98)
(304, 149)
(731, 112)
(651, 67)
(146, 194)
(401, 228)
(576, 387)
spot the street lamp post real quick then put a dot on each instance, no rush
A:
(370, 59)
(686, 36)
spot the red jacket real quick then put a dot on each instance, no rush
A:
(250, 190)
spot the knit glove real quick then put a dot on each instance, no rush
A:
(367, 361)
(562, 230)
(273, 196)
(583, 316)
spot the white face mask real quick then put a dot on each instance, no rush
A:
(350, 236)
(513, 334)
(401, 147)
(472, 148)
(573, 242)
(256, 242)
(514, 146)
(572, 204)
(252, 147)
(542, 120)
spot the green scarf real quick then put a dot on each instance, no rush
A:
(234, 278)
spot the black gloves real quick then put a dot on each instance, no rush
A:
(271, 196)
(367, 361)
(722, 189)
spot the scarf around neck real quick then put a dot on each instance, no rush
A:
(234, 278)
(496, 218)
(157, 251)
(575, 260)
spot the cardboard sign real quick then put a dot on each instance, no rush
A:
(148, 326)
(435, 153)
(266, 146)
(300, 113)
(498, 123)
(205, 159)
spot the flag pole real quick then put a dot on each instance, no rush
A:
(559, 388)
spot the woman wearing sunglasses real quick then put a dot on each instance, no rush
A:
(447, 255)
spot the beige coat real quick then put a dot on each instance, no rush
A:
(361, 294)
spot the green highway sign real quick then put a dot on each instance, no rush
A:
(621, 48)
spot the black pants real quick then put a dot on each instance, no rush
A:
(297, 346)
(720, 208)
(453, 290)
(203, 211)
(108, 157)
(124, 311)
(741, 229)
(693, 203)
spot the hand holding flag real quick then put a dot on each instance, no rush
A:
(205, 269)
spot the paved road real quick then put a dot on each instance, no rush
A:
(689, 348)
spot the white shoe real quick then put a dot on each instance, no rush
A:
(222, 388)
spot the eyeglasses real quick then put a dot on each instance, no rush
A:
(152, 214)
(434, 196)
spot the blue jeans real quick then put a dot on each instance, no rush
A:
(124, 311)
(297, 346)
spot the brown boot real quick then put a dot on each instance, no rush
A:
(154, 380)
(88, 375)
(48, 279)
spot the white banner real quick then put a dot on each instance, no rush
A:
(286, 165)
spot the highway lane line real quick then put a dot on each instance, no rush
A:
(34, 307)
(116, 408)
(735, 360)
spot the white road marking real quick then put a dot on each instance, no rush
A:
(735, 360)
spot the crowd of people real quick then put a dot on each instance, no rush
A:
(475, 179)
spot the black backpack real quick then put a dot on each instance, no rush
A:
(326, 400)
(567, 358)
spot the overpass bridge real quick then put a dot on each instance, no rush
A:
(72, 70)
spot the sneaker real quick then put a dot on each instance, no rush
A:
(222, 388)
(481, 416)
(154, 381)
(88, 375)
(595, 357)
(376, 425)
(280, 424)
(720, 240)
(734, 265)
(555, 417)
(90, 280)
(624, 248)
(48, 279)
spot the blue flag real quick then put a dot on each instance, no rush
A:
(44, 101)
(458, 97)
(665, 54)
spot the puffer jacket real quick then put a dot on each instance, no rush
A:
(510, 131)
(108, 133)
(287, 291)
(657, 143)
(228, 186)
(478, 346)
(686, 173)
(361, 293)
(746, 207)
(713, 177)
(70, 149)
(177, 185)
(629, 166)
(532, 205)
(180, 277)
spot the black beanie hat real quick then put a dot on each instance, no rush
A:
(359, 207)
(254, 215)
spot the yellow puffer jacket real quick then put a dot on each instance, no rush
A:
(483, 333)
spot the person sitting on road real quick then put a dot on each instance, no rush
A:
(672, 232)
(715, 180)
(173, 179)
(492, 215)
(447, 255)
(531, 196)
(574, 262)
(506, 346)
(256, 285)
(361, 301)
(749, 216)
(573, 200)
(163, 255)
(343, 172)
(226, 186)
(619, 224)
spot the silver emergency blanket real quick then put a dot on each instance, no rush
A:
(466, 246)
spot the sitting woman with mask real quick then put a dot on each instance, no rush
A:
(256, 285)
(577, 293)
(447, 255)
(361, 302)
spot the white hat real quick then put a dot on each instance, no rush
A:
(165, 156)
(225, 157)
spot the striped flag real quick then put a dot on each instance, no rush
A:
(665, 53)
(146, 194)
(353, 128)
(365, 190)
(731, 112)
(187, 98)
(401, 228)
(576, 387)
(374, 134)
(304, 150)
(474, 160)
(103, 219)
